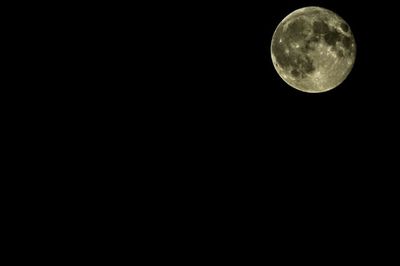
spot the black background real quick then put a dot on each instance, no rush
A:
(213, 144)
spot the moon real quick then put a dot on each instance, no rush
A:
(313, 49)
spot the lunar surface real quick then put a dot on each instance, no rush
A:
(313, 49)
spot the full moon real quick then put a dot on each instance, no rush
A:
(313, 49)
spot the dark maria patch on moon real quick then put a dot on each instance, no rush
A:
(347, 41)
(332, 37)
(295, 30)
(306, 65)
(295, 73)
(320, 27)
